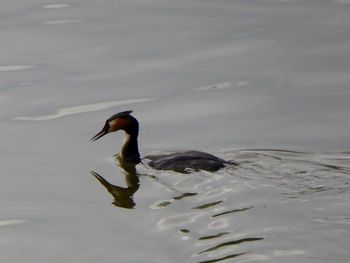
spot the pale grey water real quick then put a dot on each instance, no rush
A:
(220, 76)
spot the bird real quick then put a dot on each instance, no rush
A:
(182, 162)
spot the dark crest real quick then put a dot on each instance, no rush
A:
(120, 115)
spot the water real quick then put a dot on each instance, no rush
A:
(218, 76)
(274, 206)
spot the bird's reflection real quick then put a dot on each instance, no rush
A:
(123, 196)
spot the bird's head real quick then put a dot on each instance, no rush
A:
(120, 121)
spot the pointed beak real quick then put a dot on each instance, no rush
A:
(103, 132)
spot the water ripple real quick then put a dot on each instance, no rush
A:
(11, 222)
(15, 67)
(232, 211)
(205, 206)
(224, 85)
(61, 112)
(62, 22)
(213, 236)
(55, 6)
(218, 224)
(224, 258)
(179, 220)
(260, 209)
(231, 243)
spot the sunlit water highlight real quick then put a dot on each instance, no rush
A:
(11, 222)
(15, 67)
(55, 6)
(62, 22)
(83, 109)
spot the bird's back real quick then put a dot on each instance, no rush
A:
(182, 162)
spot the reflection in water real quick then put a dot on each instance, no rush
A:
(219, 244)
(231, 214)
(208, 205)
(231, 243)
(224, 258)
(213, 236)
(232, 211)
(123, 196)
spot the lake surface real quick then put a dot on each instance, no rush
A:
(261, 82)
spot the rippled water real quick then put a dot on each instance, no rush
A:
(274, 206)
(215, 76)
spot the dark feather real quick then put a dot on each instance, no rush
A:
(120, 115)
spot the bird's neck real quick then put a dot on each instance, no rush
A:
(130, 149)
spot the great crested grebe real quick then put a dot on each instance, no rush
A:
(180, 161)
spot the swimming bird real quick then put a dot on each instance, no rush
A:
(179, 161)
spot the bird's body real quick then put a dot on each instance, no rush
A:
(180, 161)
(183, 162)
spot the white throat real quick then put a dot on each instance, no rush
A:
(126, 139)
